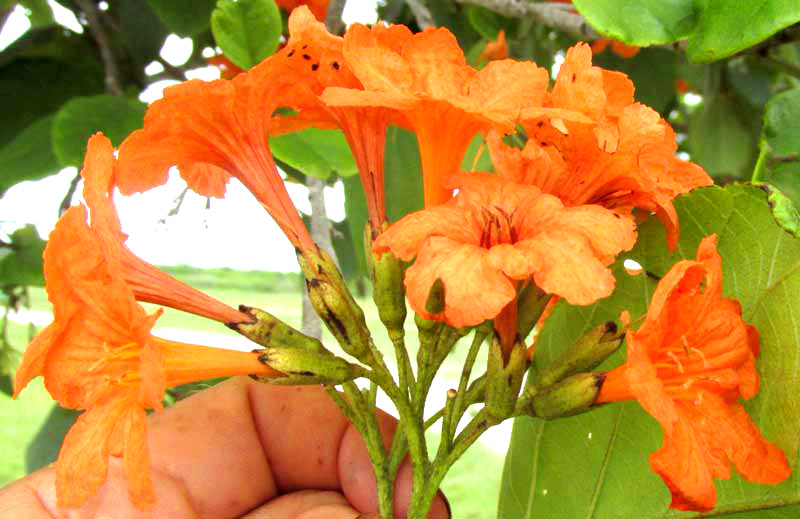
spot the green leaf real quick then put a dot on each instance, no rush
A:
(23, 265)
(30, 156)
(786, 177)
(750, 22)
(356, 218)
(720, 139)
(653, 72)
(486, 22)
(783, 209)
(82, 117)
(39, 87)
(318, 153)
(640, 22)
(184, 17)
(403, 176)
(247, 31)
(39, 12)
(782, 122)
(141, 30)
(477, 157)
(43, 449)
(590, 465)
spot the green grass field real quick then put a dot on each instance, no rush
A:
(472, 485)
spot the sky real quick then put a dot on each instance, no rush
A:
(236, 232)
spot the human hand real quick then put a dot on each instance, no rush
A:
(241, 449)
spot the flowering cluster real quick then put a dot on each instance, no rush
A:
(550, 222)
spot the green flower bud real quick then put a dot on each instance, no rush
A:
(388, 290)
(269, 331)
(504, 380)
(572, 395)
(531, 302)
(435, 303)
(334, 304)
(587, 353)
(308, 367)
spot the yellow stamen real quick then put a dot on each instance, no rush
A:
(677, 361)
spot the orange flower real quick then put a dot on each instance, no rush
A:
(98, 355)
(618, 48)
(318, 7)
(688, 365)
(497, 49)
(445, 102)
(626, 160)
(314, 57)
(148, 283)
(495, 233)
(211, 131)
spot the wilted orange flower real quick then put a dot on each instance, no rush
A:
(445, 102)
(497, 49)
(618, 48)
(98, 355)
(625, 160)
(148, 283)
(318, 7)
(211, 131)
(495, 233)
(688, 365)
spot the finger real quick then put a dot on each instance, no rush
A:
(306, 504)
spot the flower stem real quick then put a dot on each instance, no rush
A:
(761, 163)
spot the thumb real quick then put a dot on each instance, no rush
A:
(305, 504)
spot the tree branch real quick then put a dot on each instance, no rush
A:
(421, 14)
(552, 15)
(333, 20)
(98, 33)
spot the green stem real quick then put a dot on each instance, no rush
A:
(405, 372)
(421, 504)
(761, 163)
(371, 433)
(466, 372)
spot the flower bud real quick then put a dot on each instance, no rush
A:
(334, 304)
(308, 367)
(269, 331)
(504, 380)
(386, 271)
(532, 301)
(572, 395)
(435, 303)
(587, 353)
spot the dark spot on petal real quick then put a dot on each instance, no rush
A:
(315, 66)
(304, 46)
(617, 216)
(574, 77)
(306, 56)
(291, 53)
(335, 65)
(540, 124)
(543, 143)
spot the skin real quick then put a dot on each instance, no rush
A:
(241, 449)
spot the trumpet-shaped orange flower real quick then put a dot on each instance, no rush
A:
(495, 233)
(625, 160)
(149, 283)
(425, 78)
(315, 58)
(688, 365)
(98, 355)
(211, 131)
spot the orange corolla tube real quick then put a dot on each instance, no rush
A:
(98, 356)
(689, 365)
(148, 283)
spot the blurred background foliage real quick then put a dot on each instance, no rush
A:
(726, 75)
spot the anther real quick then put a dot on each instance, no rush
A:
(677, 361)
